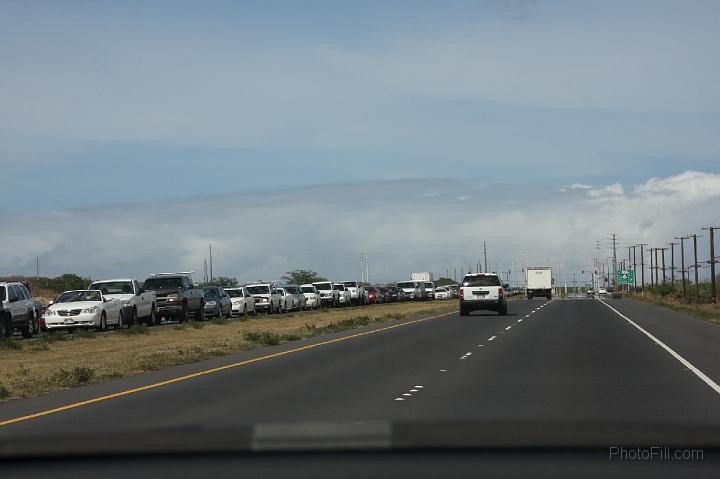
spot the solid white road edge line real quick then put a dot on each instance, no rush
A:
(667, 348)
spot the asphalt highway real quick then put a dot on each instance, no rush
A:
(563, 360)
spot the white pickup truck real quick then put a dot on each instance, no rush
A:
(137, 305)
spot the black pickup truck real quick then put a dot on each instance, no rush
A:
(175, 296)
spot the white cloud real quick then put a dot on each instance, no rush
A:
(613, 189)
(262, 235)
(580, 186)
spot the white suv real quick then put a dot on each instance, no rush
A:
(482, 291)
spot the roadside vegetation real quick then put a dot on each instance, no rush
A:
(57, 360)
(699, 306)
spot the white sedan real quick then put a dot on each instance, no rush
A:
(84, 309)
(442, 293)
(242, 301)
(312, 296)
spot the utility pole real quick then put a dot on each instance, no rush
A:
(713, 286)
(211, 263)
(696, 265)
(682, 263)
(597, 265)
(634, 262)
(205, 271)
(662, 251)
(642, 265)
(485, 269)
(37, 267)
(672, 263)
(657, 268)
(367, 267)
(614, 258)
(651, 267)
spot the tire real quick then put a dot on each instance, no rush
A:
(463, 311)
(549, 297)
(183, 316)
(29, 330)
(154, 319)
(37, 316)
(103, 323)
(133, 318)
(503, 310)
(244, 311)
(121, 321)
(4, 327)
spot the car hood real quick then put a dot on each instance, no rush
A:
(75, 305)
(123, 297)
(369, 436)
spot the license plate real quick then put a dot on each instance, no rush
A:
(480, 293)
(69, 321)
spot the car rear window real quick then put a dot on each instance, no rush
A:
(3, 294)
(481, 281)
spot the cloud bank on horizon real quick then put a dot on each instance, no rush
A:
(408, 225)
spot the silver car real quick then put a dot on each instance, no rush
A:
(18, 310)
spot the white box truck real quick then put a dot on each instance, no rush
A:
(424, 276)
(538, 282)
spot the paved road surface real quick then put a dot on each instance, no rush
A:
(572, 360)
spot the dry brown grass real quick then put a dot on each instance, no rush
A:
(708, 312)
(57, 361)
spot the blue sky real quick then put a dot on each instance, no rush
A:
(146, 100)
(150, 103)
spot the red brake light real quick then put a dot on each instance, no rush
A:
(500, 292)
(462, 293)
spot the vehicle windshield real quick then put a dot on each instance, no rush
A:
(350, 284)
(407, 285)
(339, 287)
(323, 286)
(483, 280)
(211, 292)
(234, 293)
(79, 296)
(308, 289)
(159, 284)
(114, 287)
(262, 289)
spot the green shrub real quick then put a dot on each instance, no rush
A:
(9, 344)
(74, 377)
(135, 329)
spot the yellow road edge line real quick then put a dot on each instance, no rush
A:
(210, 371)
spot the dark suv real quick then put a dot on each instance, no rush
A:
(175, 296)
(482, 291)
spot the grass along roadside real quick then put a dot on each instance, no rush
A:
(57, 361)
(707, 312)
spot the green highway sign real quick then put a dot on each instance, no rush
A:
(588, 286)
(626, 276)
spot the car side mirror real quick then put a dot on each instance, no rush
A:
(50, 303)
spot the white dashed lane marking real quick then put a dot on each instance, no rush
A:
(492, 338)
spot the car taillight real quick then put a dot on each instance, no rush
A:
(500, 292)
(462, 293)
